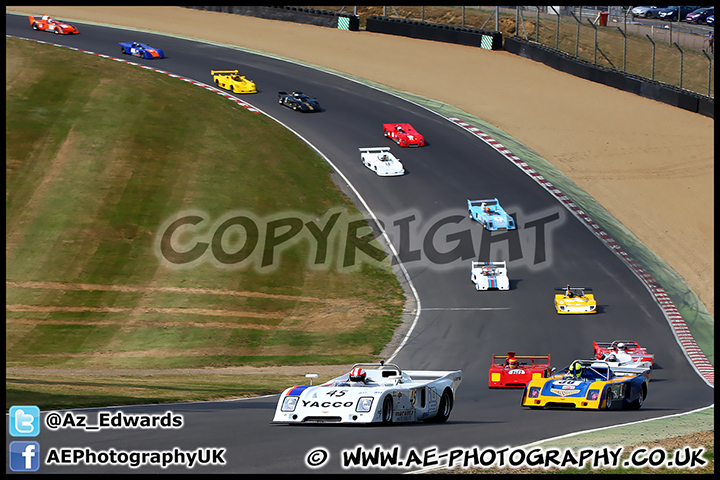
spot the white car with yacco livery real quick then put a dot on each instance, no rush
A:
(372, 393)
(381, 161)
(490, 275)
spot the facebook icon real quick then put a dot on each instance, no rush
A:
(24, 456)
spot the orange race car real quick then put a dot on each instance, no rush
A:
(51, 25)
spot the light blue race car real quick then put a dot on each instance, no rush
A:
(490, 214)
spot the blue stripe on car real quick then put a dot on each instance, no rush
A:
(298, 390)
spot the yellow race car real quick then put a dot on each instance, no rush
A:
(575, 300)
(230, 80)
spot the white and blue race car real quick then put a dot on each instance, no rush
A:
(490, 214)
(490, 275)
(387, 395)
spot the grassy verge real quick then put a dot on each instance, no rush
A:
(81, 390)
(99, 155)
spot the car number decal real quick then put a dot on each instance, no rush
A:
(336, 393)
(568, 382)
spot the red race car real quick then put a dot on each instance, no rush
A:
(638, 353)
(515, 371)
(403, 134)
(51, 25)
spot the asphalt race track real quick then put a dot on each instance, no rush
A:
(425, 215)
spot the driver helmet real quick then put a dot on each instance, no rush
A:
(512, 362)
(357, 375)
(621, 346)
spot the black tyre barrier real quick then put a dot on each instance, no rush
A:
(311, 16)
(437, 32)
(644, 87)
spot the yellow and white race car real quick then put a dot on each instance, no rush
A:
(231, 80)
(575, 300)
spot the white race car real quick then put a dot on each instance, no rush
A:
(487, 275)
(623, 364)
(387, 395)
(381, 161)
(625, 369)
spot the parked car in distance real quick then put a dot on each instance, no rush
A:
(646, 11)
(710, 20)
(700, 15)
(671, 13)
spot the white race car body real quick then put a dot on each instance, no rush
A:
(628, 369)
(381, 161)
(389, 395)
(624, 364)
(487, 275)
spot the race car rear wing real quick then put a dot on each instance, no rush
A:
(437, 375)
(433, 374)
(477, 203)
(489, 264)
(532, 359)
(234, 72)
(374, 149)
(614, 343)
(631, 347)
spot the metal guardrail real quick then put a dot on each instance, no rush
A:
(669, 52)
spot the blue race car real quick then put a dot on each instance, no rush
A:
(141, 50)
(490, 214)
(589, 385)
